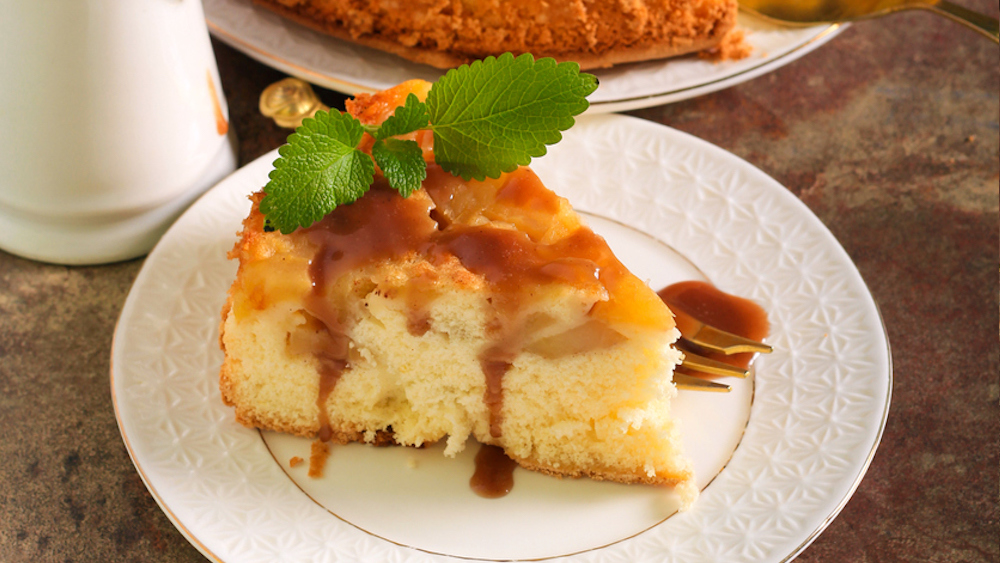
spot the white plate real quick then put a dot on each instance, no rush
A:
(818, 407)
(350, 69)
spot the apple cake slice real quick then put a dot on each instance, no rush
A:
(470, 308)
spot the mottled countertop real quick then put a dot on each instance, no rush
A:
(889, 133)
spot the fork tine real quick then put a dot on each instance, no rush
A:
(712, 367)
(692, 383)
(711, 338)
(726, 342)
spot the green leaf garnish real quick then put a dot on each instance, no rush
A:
(407, 118)
(495, 115)
(487, 118)
(319, 168)
(402, 163)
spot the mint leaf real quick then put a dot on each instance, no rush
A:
(402, 163)
(319, 169)
(487, 118)
(407, 119)
(497, 114)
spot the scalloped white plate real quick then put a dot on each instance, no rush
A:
(673, 207)
(348, 68)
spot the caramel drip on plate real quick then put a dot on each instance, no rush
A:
(494, 475)
(329, 374)
(318, 453)
(704, 302)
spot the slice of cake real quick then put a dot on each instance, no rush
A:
(592, 33)
(470, 308)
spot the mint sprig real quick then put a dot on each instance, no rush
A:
(487, 118)
(495, 115)
(409, 117)
(402, 163)
(318, 169)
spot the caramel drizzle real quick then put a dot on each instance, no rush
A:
(494, 370)
(494, 475)
(706, 303)
(333, 354)
(383, 226)
(379, 226)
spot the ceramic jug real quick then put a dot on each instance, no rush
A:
(112, 121)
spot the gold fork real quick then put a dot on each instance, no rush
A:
(291, 100)
(710, 338)
(811, 12)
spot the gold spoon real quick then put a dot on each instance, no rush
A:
(811, 12)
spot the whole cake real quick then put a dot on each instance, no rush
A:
(593, 33)
(482, 309)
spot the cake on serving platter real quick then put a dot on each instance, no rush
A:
(593, 33)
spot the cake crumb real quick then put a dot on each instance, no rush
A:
(317, 458)
(295, 461)
(411, 462)
(733, 47)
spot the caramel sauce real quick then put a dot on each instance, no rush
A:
(494, 369)
(379, 226)
(706, 303)
(318, 452)
(448, 225)
(329, 374)
(521, 192)
(494, 475)
(512, 264)
(509, 260)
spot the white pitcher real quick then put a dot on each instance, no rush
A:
(112, 121)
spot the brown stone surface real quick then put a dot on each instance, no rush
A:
(889, 133)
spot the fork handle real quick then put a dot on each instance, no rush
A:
(974, 20)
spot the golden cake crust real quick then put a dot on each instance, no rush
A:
(448, 33)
